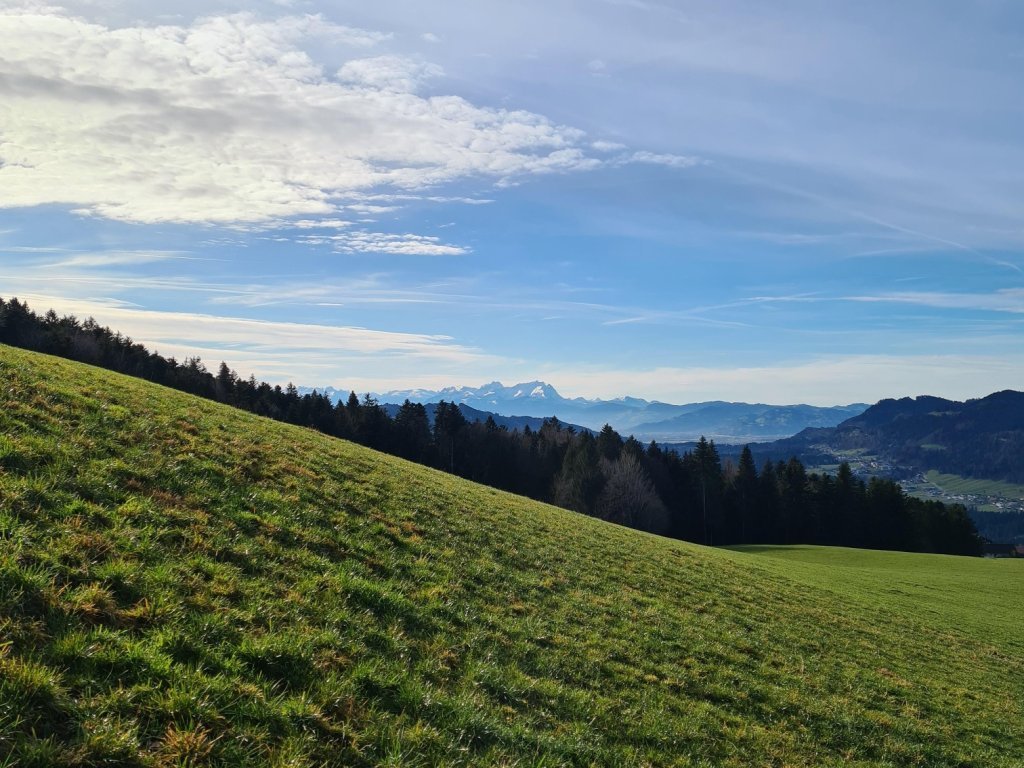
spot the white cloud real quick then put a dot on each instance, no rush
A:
(370, 208)
(430, 37)
(464, 200)
(389, 73)
(230, 120)
(320, 224)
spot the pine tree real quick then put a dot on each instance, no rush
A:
(412, 431)
(709, 480)
(225, 386)
(580, 480)
(745, 486)
(448, 423)
(609, 443)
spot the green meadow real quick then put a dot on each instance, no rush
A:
(184, 584)
(970, 485)
(980, 597)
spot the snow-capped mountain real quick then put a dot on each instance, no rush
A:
(646, 419)
(493, 394)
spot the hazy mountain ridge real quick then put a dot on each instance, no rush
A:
(646, 419)
(742, 422)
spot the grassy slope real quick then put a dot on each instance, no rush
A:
(181, 583)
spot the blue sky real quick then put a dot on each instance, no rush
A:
(786, 202)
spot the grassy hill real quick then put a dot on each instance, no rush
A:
(186, 584)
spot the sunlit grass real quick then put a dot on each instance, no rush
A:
(186, 584)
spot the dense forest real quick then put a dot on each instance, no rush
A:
(692, 496)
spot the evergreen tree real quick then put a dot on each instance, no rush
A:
(580, 479)
(769, 501)
(374, 424)
(412, 431)
(709, 478)
(609, 443)
(225, 387)
(796, 515)
(448, 423)
(745, 488)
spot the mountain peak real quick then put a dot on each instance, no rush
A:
(535, 389)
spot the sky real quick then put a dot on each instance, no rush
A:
(797, 201)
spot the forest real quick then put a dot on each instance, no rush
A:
(692, 495)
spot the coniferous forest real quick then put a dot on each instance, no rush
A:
(690, 496)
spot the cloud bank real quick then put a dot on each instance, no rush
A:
(230, 120)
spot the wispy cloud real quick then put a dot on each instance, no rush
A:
(383, 243)
(117, 259)
(273, 348)
(1009, 300)
(669, 160)
(1005, 300)
(32, 249)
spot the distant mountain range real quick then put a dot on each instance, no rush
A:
(981, 438)
(647, 420)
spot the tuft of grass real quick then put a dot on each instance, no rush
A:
(185, 746)
(182, 584)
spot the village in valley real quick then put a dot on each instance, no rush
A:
(974, 494)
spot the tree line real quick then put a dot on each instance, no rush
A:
(692, 496)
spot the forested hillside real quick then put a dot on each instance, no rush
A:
(690, 496)
(981, 438)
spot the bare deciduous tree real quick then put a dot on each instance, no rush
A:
(629, 497)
